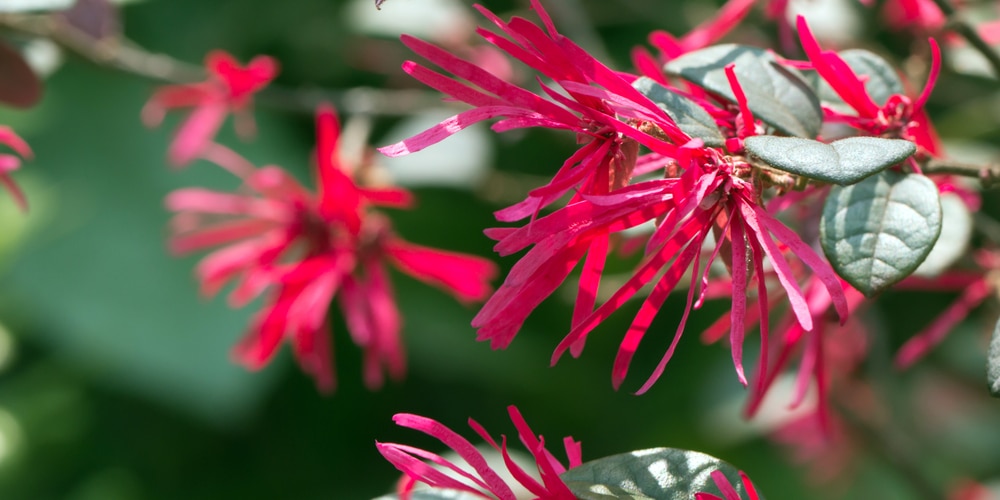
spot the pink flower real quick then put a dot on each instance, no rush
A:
(10, 163)
(593, 103)
(229, 88)
(481, 480)
(712, 30)
(727, 489)
(306, 249)
(921, 16)
(900, 116)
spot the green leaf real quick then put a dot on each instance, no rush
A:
(777, 95)
(653, 474)
(877, 232)
(690, 117)
(956, 231)
(841, 162)
(993, 363)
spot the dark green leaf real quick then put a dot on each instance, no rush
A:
(776, 95)
(841, 162)
(993, 363)
(877, 232)
(653, 474)
(690, 117)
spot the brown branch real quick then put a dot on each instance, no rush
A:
(988, 174)
(111, 52)
(122, 55)
(969, 33)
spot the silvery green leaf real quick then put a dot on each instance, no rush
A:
(653, 474)
(841, 162)
(777, 95)
(689, 116)
(993, 363)
(876, 232)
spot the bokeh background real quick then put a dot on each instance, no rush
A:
(115, 376)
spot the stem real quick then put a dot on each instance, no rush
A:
(969, 33)
(122, 55)
(988, 173)
(113, 52)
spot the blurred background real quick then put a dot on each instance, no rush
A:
(115, 375)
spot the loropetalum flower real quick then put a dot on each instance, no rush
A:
(899, 117)
(727, 489)
(477, 477)
(593, 101)
(10, 162)
(705, 190)
(306, 249)
(229, 89)
(703, 35)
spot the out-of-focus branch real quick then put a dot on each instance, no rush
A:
(112, 52)
(120, 54)
(969, 33)
(988, 174)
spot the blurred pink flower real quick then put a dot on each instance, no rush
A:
(481, 480)
(707, 33)
(229, 88)
(308, 248)
(10, 163)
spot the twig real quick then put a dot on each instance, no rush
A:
(988, 174)
(114, 52)
(969, 33)
(124, 56)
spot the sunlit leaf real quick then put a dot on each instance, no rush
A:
(777, 95)
(841, 162)
(656, 474)
(877, 232)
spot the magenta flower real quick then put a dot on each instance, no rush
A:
(10, 163)
(900, 116)
(229, 88)
(670, 47)
(478, 478)
(727, 489)
(306, 249)
(593, 104)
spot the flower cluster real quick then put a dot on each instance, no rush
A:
(304, 249)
